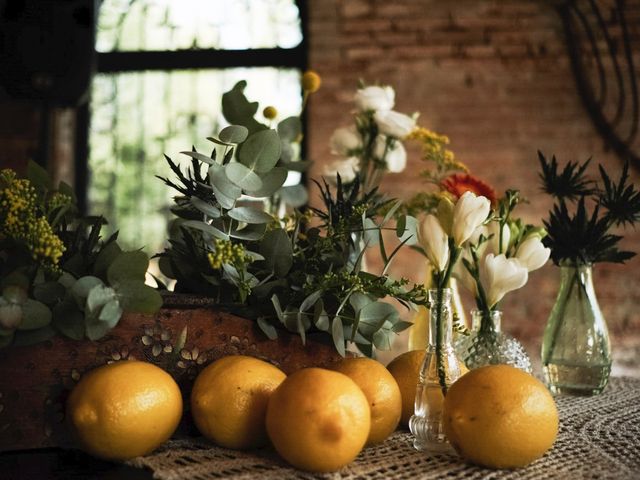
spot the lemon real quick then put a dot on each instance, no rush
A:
(382, 392)
(405, 369)
(318, 420)
(125, 409)
(500, 417)
(229, 400)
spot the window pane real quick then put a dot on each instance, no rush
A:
(194, 24)
(138, 117)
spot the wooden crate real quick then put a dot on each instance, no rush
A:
(36, 380)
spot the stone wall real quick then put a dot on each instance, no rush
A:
(495, 77)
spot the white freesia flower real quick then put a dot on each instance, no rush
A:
(468, 214)
(375, 98)
(344, 141)
(394, 124)
(434, 241)
(502, 275)
(494, 242)
(346, 168)
(532, 254)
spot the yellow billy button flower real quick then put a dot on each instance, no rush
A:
(311, 81)
(270, 112)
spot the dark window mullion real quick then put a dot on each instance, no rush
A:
(112, 62)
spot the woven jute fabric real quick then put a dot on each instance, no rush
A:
(599, 438)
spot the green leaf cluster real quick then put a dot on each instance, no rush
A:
(86, 293)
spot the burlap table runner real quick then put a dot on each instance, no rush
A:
(599, 439)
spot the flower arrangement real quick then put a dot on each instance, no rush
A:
(57, 276)
(301, 272)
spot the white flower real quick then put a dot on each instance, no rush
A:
(532, 254)
(394, 124)
(346, 168)
(394, 155)
(375, 98)
(434, 241)
(494, 242)
(468, 214)
(501, 275)
(344, 141)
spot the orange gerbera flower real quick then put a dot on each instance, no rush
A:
(458, 183)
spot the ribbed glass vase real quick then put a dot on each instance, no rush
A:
(426, 424)
(488, 345)
(576, 352)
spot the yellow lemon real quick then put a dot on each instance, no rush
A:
(229, 400)
(500, 417)
(125, 409)
(405, 369)
(382, 392)
(318, 420)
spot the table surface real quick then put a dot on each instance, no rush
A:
(599, 438)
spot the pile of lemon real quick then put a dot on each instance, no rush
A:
(317, 419)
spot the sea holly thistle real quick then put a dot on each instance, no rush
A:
(580, 222)
(56, 274)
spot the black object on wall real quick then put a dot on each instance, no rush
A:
(600, 44)
(47, 50)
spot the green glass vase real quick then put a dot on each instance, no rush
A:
(576, 352)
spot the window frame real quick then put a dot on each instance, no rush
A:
(197, 59)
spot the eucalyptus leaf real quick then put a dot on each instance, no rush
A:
(310, 300)
(372, 316)
(137, 297)
(38, 176)
(105, 258)
(81, 288)
(205, 207)
(321, 317)
(249, 215)
(294, 165)
(294, 195)
(99, 296)
(260, 152)
(359, 300)
(34, 315)
(401, 225)
(207, 228)
(276, 249)
(111, 313)
(276, 306)
(268, 329)
(250, 232)
(243, 177)
(128, 266)
(301, 328)
(234, 134)
(382, 340)
(401, 326)
(271, 183)
(226, 192)
(391, 212)
(95, 329)
(337, 334)
(290, 128)
(49, 292)
(237, 110)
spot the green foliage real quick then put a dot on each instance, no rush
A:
(575, 234)
(84, 293)
(286, 273)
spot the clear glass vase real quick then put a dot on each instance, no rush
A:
(419, 331)
(576, 352)
(488, 345)
(435, 376)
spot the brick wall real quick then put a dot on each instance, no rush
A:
(495, 77)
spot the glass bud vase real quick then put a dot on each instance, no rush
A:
(486, 344)
(576, 353)
(426, 424)
(419, 331)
